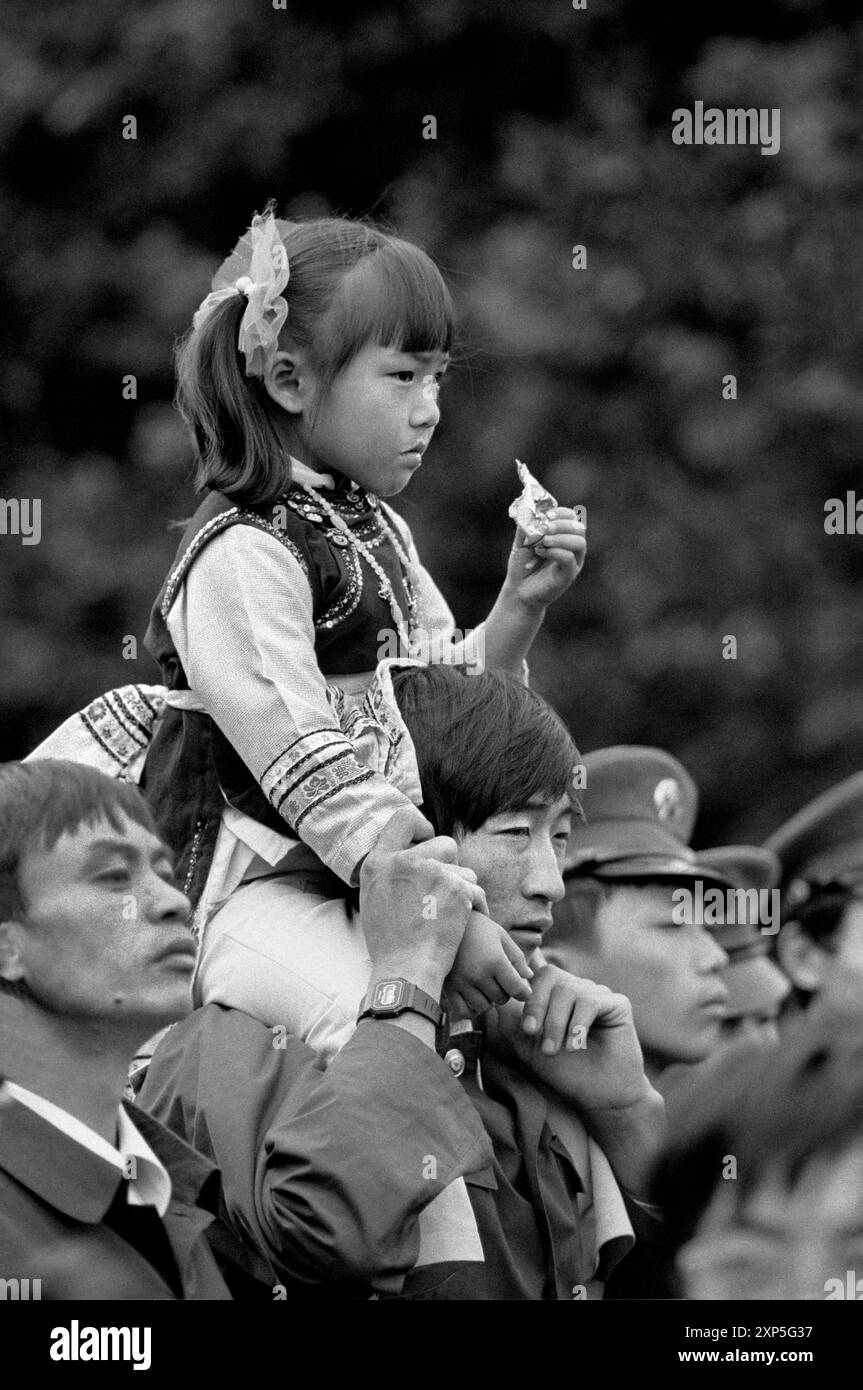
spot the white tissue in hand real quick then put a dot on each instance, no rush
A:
(530, 509)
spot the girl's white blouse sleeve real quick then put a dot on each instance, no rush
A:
(242, 625)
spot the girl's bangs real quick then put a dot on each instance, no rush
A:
(396, 297)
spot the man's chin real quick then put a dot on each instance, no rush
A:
(171, 1009)
(528, 942)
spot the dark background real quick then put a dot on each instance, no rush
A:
(705, 517)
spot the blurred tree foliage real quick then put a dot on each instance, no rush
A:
(553, 129)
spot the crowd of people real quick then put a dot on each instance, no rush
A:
(328, 973)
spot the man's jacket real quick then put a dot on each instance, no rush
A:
(324, 1172)
(55, 1196)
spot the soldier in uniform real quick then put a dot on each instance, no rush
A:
(629, 873)
(756, 987)
(820, 942)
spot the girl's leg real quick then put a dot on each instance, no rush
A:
(290, 957)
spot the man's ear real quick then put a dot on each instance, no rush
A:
(11, 952)
(803, 960)
(289, 383)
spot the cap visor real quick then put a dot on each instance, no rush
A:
(645, 866)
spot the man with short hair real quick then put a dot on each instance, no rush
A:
(630, 920)
(757, 988)
(620, 923)
(95, 956)
(558, 1083)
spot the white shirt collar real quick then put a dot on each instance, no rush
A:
(149, 1183)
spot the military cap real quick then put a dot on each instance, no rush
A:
(822, 845)
(640, 806)
(755, 984)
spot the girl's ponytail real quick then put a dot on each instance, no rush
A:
(234, 423)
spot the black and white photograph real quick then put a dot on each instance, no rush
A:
(431, 669)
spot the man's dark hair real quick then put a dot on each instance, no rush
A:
(485, 744)
(773, 1108)
(42, 800)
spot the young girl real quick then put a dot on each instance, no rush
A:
(310, 383)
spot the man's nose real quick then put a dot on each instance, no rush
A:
(544, 878)
(166, 903)
(709, 955)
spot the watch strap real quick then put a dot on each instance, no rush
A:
(390, 998)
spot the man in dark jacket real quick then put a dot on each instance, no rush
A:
(558, 1087)
(97, 1198)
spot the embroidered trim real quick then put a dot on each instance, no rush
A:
(121, 722)
(350, 599)
(324, 765)
(370, 534)
(324, 735)
(133, 710)
(391, 523)
(378, 734)
(301, 502)
(328, 781)
(286, 541)
(337, 784)
(276, 780)
(283, 778)
(193, 859)
(212, 528)
(175, 578)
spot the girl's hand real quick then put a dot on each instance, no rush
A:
(488, 969)
(535, 582)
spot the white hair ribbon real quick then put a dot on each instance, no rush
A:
(258, 268)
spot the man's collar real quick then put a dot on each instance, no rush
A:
(53, 1165)
(80, 1183)
(149, 1180)
(194, 1178)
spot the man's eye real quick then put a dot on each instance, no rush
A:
(114, 875)
(515, 830)
(405, 375)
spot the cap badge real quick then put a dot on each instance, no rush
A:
(667, 798)
(797, 893)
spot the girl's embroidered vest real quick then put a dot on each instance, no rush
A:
(191, 768)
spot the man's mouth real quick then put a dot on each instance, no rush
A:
(716, 1004)
(530, 936)
(181, 953)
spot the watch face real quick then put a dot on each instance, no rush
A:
(388, 994)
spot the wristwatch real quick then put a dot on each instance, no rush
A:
(389, 998)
